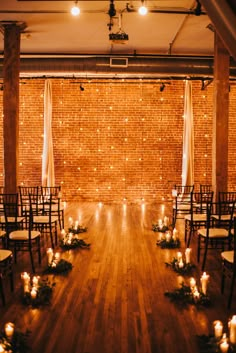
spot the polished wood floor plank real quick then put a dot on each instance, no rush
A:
(113, 298)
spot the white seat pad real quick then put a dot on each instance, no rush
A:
(23, 234)
(228, 256)
(45, 219)
(4, 254)
(197, 217)
(214, 232)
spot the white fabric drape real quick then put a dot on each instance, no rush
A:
(188, 138)
(48, 178)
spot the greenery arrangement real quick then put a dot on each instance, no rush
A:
(168, 243)
(184, 269)
(42, 294)
(210, 344)
(60, 266)
(77, 229)
(186, 295)
(72, 241)
(162, 229)
(17, 343)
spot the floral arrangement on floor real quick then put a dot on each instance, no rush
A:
(36, 292)
(188, 295)
(180, 264)
(14, 341)
(57, 265)
(162, 225)
(71, 240)
(169, 240)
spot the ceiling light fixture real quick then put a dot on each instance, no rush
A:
(143, 9)
(75, 10)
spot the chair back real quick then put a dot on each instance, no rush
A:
(223, 212)
(201, 199)
(10, 203)
(227, 196)
(205, 188)
(24, 192)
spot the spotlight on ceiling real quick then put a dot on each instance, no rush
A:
(81, 87)
(143, 9)
(162, 87)
(75, 10)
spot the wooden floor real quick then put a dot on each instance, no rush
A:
(113, 301)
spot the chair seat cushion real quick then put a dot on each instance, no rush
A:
(23, 234)
(12, 219)
(228, 256)
(223, 217)
(197, 217)
(44, 219)
(4, 254)
(2, 233)
(214, 232)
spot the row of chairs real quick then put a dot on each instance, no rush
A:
(214, 224)
(24, 218)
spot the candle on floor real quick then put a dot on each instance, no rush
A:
(9, 329)
(33, 293)
(26, 278)
(187, 255)
(49, 255)
(2, 350)
(63, 233)
(179, 256)
(70, 221)
(35, 281)
(224, 346)
(168, 236)
(166, 221)
(204, 281)
(232, 330)
(218, 328)
(192, 282)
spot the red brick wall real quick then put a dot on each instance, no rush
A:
(117, 139)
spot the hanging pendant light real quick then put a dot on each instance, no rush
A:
(143, 9)
(75, 10)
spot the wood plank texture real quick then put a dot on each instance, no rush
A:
(113, 299)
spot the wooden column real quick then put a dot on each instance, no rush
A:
(220, 117)
(11, 70)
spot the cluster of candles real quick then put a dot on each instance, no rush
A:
(170, 235)
(9, 331)
(71, 225)
(204, 284)
(163, 223)
(53, 259)
(30, 286)
(224, 341)
(181, 261)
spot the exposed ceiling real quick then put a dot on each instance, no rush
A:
(170, 28)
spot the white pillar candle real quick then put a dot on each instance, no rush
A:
(33, 293)
(218, 328)
(187, 255)
(192, 282)
(168, 236)
(2, 350)
(26, 278)
(166, 221)
(224, 346)
(63, 233)
(179, 256)
(204, 282)
(76, 225)
(232, 330)
(49, 255)
(175, 233)
(35, 281)
(70, 221)
(181, 263)
(9, 329)
(57, 256)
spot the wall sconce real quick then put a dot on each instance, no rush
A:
(81, 87)
(143, 9)
(75, 10)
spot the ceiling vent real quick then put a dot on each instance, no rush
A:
(118, 62)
